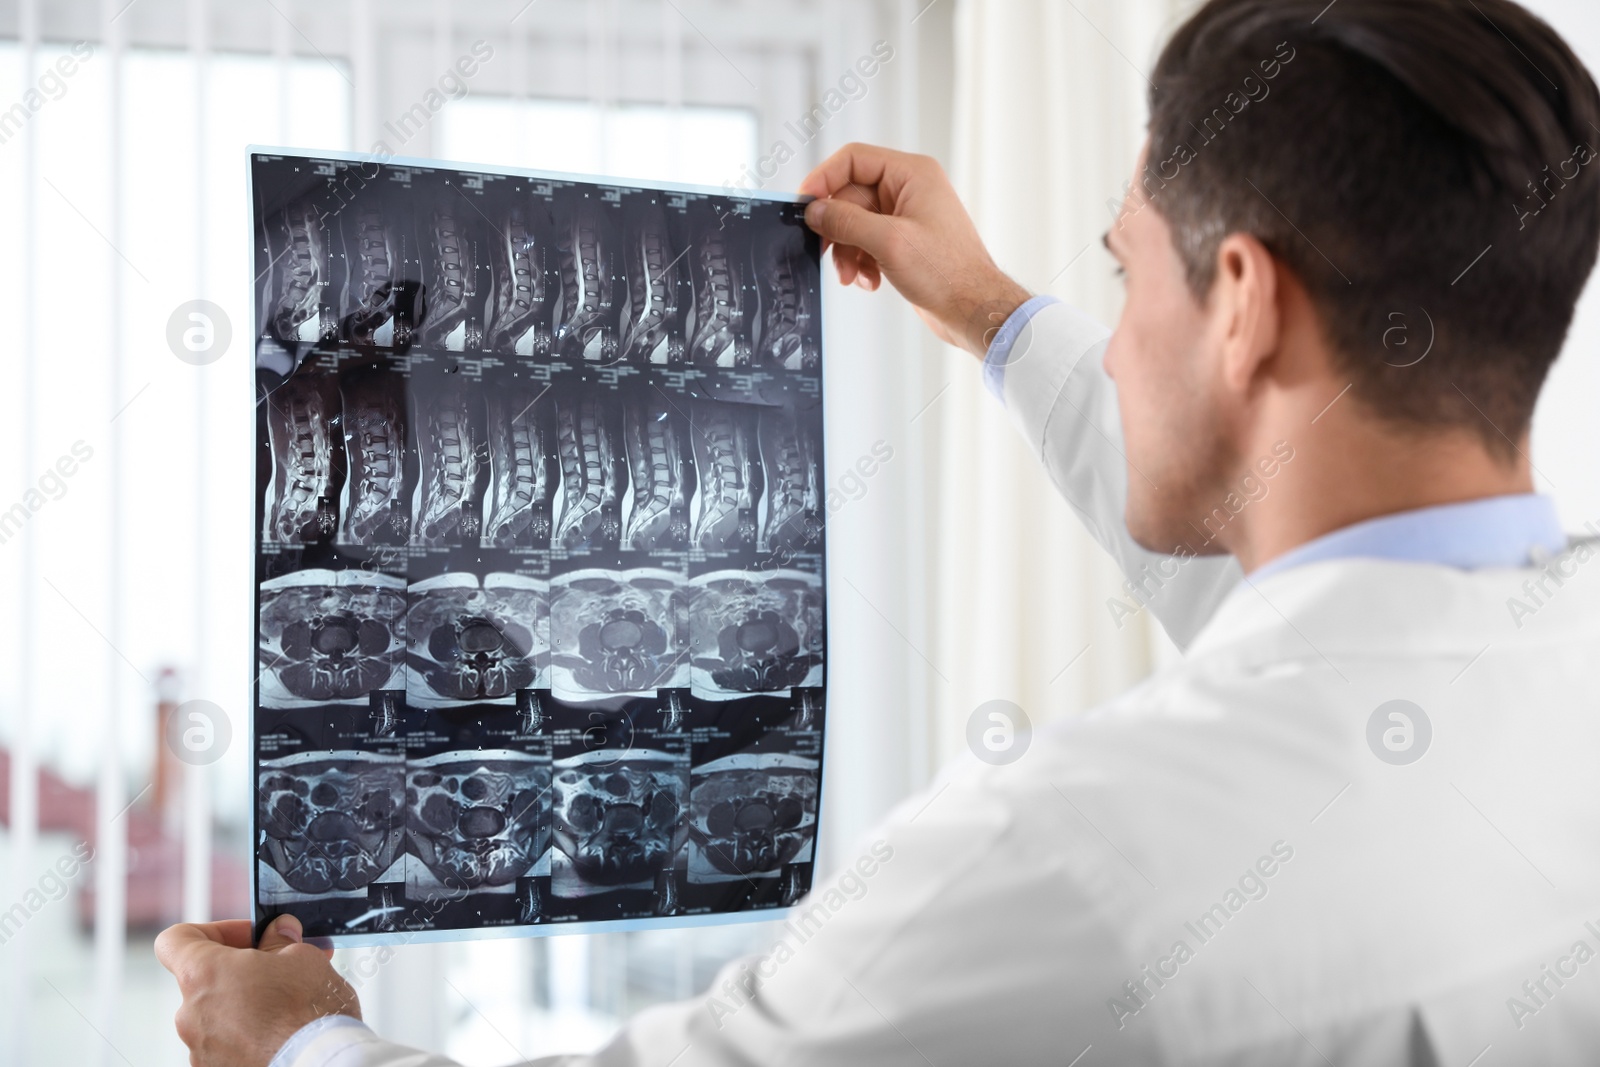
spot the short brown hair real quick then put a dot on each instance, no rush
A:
(1412, 161)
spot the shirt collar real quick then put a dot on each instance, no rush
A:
(1498, 531)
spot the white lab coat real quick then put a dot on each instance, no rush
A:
(1331, 908)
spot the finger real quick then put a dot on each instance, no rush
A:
(856, 263)
(844, 261)
(845, 223)
(859, 164)
(176, 943)
(178, 947)
(866, 265)
(283, 931)
(232, 933)
(305, 950)
(825, 244)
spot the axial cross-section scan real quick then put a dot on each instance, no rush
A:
(617, 632)
(619, 821)
(478, 818)
(473, 640)
(539, 536)
(755, 632)
(329, 636)
(751, 814)
(331, 821)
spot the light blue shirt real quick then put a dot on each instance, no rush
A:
(1500, 531)
(998, 357)
(1497, 531)
(308, 1033)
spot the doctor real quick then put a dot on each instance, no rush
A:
(1359, 823)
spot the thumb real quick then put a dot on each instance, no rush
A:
(281, 932)
(845, 223)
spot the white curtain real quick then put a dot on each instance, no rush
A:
(1049, 101)
(1050, 112)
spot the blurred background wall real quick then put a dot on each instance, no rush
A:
(956, 575)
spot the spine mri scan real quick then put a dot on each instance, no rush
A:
(541, 622)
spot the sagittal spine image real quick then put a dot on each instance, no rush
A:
(448, 437)
(523, 469)
(299, 275)
(794, 487)
(790, 301)
(301, 417)
(661, 463)
(731, 478)
(594, 471)
(721, 270)
(374, 505)
(656, 288)
(519, 322)
(380, 253)
(452, 301)
(540, 536)
(587, 327)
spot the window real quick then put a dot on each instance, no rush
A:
(181, 510)
(693, 145)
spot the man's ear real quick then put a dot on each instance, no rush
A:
(1244, 300)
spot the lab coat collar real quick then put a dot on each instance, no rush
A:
(1364, 607)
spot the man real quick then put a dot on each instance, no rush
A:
(1357, 824)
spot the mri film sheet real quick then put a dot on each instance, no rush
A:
(540, 599)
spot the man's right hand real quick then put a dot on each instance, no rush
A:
(242, 1004)
(893, 215)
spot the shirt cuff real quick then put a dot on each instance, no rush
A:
(1002, 349)
(353, 1032)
